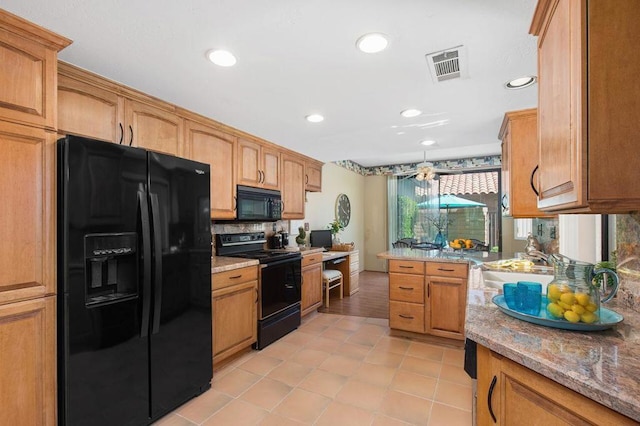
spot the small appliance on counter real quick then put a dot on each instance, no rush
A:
(275, 241)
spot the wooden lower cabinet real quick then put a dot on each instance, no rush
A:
(446, 299)
(516, 395)
(406, 295)
(28, 362)
(428, 297)
(311, 283)
(235, 311)
(354, 273)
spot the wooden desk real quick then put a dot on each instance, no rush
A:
(348, 263)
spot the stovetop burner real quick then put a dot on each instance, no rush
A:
(250, 245)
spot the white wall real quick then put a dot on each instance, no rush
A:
(320, 206)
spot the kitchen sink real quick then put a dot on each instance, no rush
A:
(495, 279)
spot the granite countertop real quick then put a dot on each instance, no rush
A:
(439, 255)
(601, 365)
(223, 264)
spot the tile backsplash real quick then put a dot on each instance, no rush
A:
(234, 228)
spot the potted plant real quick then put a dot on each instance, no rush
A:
(335, 227)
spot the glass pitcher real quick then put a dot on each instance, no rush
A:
(573, 294)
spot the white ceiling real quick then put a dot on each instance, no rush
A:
(298, 57)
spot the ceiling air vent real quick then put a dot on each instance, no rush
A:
(447, 64)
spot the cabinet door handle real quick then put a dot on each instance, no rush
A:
(406, 288)
(260, 176)
(405, 267)
(235, 203)
(235, 277)
(531, 181)
(405, 316)
(130, 131)
(121, 133)
(306, 179)
(504, 208)
(428, 290)
(257, 297)
(489, 396)
(446, 270)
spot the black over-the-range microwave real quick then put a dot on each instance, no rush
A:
(258, 204)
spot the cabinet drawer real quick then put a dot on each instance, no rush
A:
(406, 288)
(458, 270)
(236, 276)
(406, 266)
(406, 316)
(311, 259)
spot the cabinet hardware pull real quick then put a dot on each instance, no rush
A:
(531, 181)
(493, 385)
(121, 133)
(235, 277)
(130, 131)
(428, 290)
(235, 203)
(504, 208)
(405, 267)
(446, 270)
(257, 296)
(405, 316)
(406, 288)
(306, 179)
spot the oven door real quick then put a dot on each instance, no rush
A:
(280, 284)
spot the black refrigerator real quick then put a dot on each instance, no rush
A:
(134, 283)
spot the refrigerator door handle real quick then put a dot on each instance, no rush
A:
(146, 256)
(157, 249)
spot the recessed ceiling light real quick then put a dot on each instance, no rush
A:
(411, 112)
(372, 43)
(222, 58)
(521, 82)
(314, 118)
(427, 142)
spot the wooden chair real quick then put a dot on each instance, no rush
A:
(331, 279)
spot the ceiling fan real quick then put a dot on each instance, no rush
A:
(423, 171)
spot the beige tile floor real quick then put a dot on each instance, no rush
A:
(336, 370)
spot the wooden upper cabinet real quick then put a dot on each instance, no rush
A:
(519, 135)
(153, 128)
(88, 110)
(217, 149)
(28, 61)
(588, 110)
(313, 178)
(258, 165)
(28, 362)
(293, 179)
(27, 213)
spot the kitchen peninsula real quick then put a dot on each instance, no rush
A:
(602, 366)
(428, 290)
